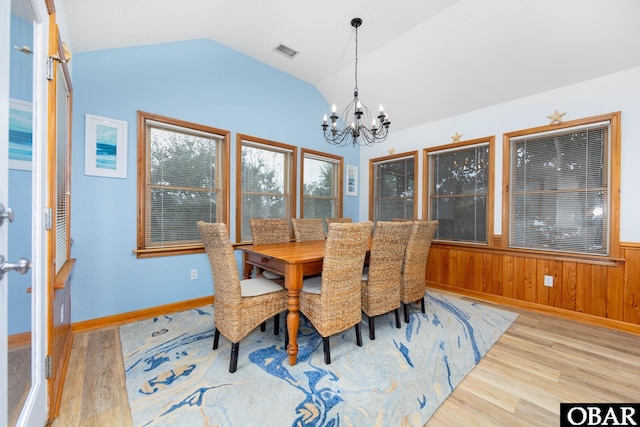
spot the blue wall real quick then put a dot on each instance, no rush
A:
(200, 81)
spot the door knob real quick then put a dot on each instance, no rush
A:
(5, 213)
(22, 266)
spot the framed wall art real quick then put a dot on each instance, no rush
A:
(105, 147)
(352, 180)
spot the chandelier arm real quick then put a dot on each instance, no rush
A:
(339, 138)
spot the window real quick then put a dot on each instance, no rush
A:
(321, 190)
(182, 178)
(265, 182)
(459, 190)
(62, 167)
(562, 186)
(392, 187)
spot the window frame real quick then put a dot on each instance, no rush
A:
(59, 169)
(62, 166)
(386, 159)
(614, 185)
(277, 146)
(142, 250)
(338, 190)
(426, 175)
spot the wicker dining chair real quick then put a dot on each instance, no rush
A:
(413, 286)
(381, 279)
(240, 305)
(307, 229)
(332, 301)
(267, 231)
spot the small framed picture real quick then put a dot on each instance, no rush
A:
(105, 147)
(352, 180)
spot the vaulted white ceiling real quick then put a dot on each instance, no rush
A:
(422, 59)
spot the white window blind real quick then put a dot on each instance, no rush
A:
(266, 183)
(394, 188)
(183, 183)
(62, 173)
(459, 191)
(320, 186)
(559, 194)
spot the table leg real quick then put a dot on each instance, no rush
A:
(293, 282)
(247, 268)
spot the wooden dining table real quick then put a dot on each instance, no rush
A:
(293, 260)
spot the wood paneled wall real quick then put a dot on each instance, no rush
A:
(607, 292)
(60, 344)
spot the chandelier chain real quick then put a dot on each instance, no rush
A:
(356, 67)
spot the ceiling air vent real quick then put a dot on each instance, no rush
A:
(286, 51)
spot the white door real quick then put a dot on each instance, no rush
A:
(23, 49)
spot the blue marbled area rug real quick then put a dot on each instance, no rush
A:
(175, 379)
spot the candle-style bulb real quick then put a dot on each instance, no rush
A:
(333, 108)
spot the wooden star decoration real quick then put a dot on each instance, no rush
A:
(456, 137)
(392, 150)
(556, 117)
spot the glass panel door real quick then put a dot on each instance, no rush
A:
(23, 388)
(19, 309)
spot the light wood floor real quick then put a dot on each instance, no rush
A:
(19, 380)
(538, 363)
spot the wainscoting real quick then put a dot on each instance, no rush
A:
(602, 292)
(60, 336)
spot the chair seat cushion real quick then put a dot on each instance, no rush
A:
(312, 285)
(271, 275)
(258, 286)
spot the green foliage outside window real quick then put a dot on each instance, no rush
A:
(458, 190)
(264, 188)
(182, 185)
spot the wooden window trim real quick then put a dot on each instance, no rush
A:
(292, 176)
(340, 163)
(614, 183)
(56, 47)
(390, 157)
(143, 198)
(426, 208)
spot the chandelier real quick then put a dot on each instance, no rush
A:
(358, 115)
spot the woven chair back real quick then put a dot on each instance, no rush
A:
(224, 269)
(415, 260)
(307, 229)
(381, 291)
(344, 255)
(266, 231)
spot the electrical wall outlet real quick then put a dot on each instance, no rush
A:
(194, 274)
(548, 281)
